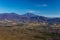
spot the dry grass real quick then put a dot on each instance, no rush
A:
(29, 31)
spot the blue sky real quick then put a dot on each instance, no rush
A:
(49, 8)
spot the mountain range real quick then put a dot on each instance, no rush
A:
(28, 17)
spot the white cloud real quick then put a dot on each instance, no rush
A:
(42, 5)
(32, 11)
(45, 5)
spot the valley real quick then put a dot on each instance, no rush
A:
(11, 30)
(32, 27)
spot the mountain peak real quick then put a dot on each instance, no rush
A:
(29, 15)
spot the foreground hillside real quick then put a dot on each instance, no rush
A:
(29, 31)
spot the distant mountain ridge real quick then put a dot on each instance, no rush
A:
(28, 17)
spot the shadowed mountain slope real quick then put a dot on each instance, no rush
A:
(28, 17)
